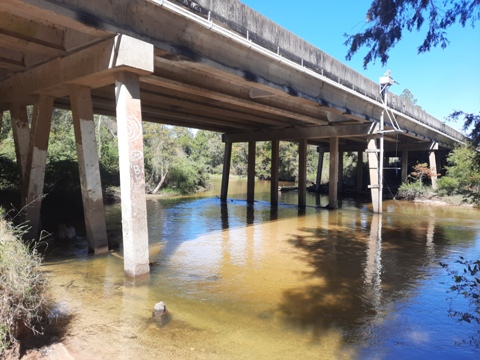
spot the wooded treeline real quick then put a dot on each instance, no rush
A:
(177, 160)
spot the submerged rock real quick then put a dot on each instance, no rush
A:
(160, 313)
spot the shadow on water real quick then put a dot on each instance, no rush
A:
(172, 223)
(356, 273)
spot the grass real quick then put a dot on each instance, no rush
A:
(23, 304)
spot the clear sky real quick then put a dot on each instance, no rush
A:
(442, 80)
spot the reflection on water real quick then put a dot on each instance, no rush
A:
(255, 283)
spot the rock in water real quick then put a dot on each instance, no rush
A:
(159, 310)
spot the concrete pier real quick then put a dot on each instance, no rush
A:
(274, 173)
(36, 162)
(132, 175)
(89, 169)
(333, 178)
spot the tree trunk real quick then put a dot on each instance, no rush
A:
(160, 183)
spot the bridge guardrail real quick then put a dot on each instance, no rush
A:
(237, 16)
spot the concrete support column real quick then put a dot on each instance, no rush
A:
(227, 159)
(132, 176)
(433, 169)
(333, 178)
(321, 154)
(252, 147)
(340, 171)
(302, 173)
(359, 172)
(274, 173)
(373, 164)
(35, 166)
(84, 126)
(404, 173)
(21, 138)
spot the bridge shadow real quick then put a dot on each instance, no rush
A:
(171, 223)
(356, 274)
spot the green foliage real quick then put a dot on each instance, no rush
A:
(411, 190)
(466, 283)
(209, 149)
(471, 123)
(23, 302)
(61, 143)
(387, 19)
(408, 96)
(463, 174)
(176, 159)
(187, 176)
(107, 148)
(414, 187)
(6, 126)
(288, 160)
(350, 160)
(8, 174)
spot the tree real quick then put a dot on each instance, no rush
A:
(160, 151)
(463, 174)
(387, 19)
(409, 98)
(471, 122)
(208, 148)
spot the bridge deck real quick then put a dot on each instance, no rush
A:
(217, 66)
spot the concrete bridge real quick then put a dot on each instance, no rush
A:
(213, 65)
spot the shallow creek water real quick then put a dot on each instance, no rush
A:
(255, 283)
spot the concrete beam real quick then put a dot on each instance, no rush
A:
(46, 11)
(132, 175)
(89, 169)
(213, 95)
(36, 162)
(194, 106)
(31, 32)
(306, 133)
(389, 146)
(12, 60)
(93, 67)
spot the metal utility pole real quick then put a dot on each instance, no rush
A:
(385, 82)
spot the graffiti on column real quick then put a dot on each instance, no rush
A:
(136, 164)
(134, 129)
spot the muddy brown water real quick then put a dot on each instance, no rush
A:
(255, 283)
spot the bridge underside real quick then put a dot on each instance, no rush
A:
(189, 66)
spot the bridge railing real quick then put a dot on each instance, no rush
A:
(263, 32)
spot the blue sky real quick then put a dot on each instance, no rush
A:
(442, 80)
